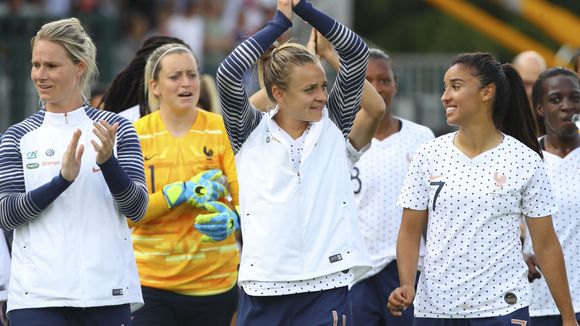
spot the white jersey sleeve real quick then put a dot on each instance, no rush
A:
(415, 191)
(538, 198)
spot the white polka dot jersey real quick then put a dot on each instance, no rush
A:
(565, 179)
(473, 265)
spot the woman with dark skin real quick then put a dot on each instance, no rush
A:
(556, 99)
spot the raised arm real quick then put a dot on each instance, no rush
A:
(239, 117)
(373, 107)
(345, 97)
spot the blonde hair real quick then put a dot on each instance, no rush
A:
(276, 65)
(153, 67)
(209, 94)
(72, 36)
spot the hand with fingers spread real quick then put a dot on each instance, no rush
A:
(106, 135)
(218, 224)
(400, 299)
(71, 160)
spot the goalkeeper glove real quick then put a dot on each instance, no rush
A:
(174, 193)
(204, 187)
(218, 224)
(199, 189)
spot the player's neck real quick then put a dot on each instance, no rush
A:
(178, 123)
(476, 140)
(389, 126)
(561, 146)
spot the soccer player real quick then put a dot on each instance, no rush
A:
(70, 177)
(302, 245)
(469, 188)
(556, 97)
(126, 94)
(185, 245)
(377, 180)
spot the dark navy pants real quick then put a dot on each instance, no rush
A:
(69, 316)
(550, 320)
(327, 307)
(166, 308)
(520, 317)
(368, 299)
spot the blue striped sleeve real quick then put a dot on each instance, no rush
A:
(124, 174)
(16, 205)
(239, 117)
(345, 96)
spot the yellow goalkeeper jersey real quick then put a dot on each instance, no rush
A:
(169, 253)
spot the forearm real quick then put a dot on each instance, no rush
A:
(551, 261)
(372, 103)
(344, 99)
(350, 47)
(408, 243)
(156, 208)
(19, 208)
(261, 101)
(239, 118)
(130, 196)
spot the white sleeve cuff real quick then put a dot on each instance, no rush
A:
(354, 155)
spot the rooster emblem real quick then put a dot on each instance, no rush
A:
(499, 179)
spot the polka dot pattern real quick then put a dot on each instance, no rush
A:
(473, 257)
(377, 180)
(326, 282)
(565, 179)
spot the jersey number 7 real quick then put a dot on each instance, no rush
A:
(439, 185)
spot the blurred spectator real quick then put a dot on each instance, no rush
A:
(134, 33)
(147, 7)
(161, 23)
(218, 40)
(103, 7)
(57, 7)
(245, 17)
(190, 27)
(20, 8)
(530, 64)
